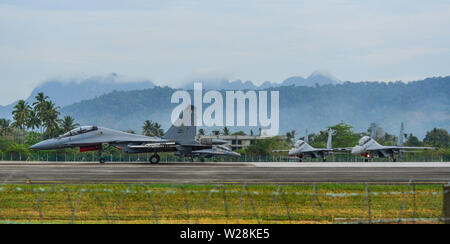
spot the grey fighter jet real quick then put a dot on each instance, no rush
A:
(177, 139)
(369, 148)
(93, 138)
(302, 149)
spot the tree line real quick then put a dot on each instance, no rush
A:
(41, 120)
(343, 136)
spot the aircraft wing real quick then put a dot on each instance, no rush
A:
(116, 140)
(154, 145)
(399, 148)
(317, 150)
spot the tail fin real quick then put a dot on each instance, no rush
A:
(373, 133)
(306, 136)
(401, 136)
(183, 132)
(330, 136)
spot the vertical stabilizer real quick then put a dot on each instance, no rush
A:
(306, 136)
(183, 132)
(330, 136)
(401, 136)
(373, 133)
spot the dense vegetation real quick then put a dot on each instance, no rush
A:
(421, 105)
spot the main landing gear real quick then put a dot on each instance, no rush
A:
(101, 159)
(154, 159)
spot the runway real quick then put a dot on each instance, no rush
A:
(221, 173)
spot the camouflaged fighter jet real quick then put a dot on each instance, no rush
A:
(302, 149)
(93, 138)
(180, 140)
(369, 148)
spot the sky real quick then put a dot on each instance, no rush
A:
(172, 42)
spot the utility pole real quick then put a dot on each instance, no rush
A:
(446, 211)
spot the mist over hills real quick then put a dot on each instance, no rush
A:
(315, 102)
(316, 78)
(65, 92)
(422, 105)
(68, 91)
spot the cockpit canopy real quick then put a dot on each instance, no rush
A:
(223, 147)
(299, 143)
(363, 140)
(80, 130)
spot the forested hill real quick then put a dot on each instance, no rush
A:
(422, 105)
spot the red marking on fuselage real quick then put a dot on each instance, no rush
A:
(90, 148)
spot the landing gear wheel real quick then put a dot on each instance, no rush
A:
(324, 159)
(366, 160)
(394, 160)
(154, 159)
(102, 160)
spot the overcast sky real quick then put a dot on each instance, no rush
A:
(171, 42)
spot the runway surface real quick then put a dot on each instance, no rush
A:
(222, 173)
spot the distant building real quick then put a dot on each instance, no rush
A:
(235, 142)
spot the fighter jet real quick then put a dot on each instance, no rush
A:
(302, 149)
(93, 138)
(369, 148)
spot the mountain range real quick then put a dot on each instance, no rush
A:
(316, 78)
(68, 91)
(421, 105)
(314, 102)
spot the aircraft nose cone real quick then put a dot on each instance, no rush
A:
(219, 142)
(236, 154)
(357, 150)
(43, 145)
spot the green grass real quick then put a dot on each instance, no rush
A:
(120, 203)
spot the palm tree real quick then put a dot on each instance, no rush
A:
(68, 123)
(151, 128)
(226, 131)
(32, 121)
(20, 116)
(5, 127)
(290, 136)
(147, 128)
(49, 118)
(39, 106)
(157, 131)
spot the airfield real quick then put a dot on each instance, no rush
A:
(18, 172)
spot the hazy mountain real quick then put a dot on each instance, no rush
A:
(66, 92)
(422, 105)
(317, 77)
